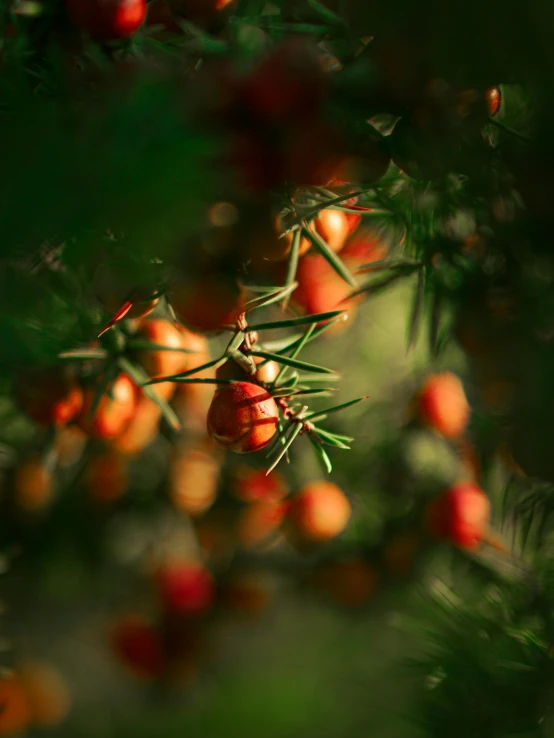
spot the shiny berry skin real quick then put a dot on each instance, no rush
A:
(114, 411)
(267, 372)
(333, 227)
(185, 588)
(242, 417)
(49, 396)
(494, 100)
(318, 512)
(107, 19)
(460, 515)
(443, 405)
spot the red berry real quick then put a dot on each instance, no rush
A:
(242, 417)
(185, 588)
(138, 644)
(114, 411)
(208, 304)
(318, 512)
(107, 19)
(254, 485)
(49, 396)
(460, 514)
(443, 404)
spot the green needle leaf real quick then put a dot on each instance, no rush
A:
(83, 354)
(179, 377)
(377, 285)
(271, 298)
(235, 343)
(329, 255)
(295, 363)
(319, 415)
(330, 439)
(139, 377)
(138, 345)
(321, 454)
(417, 306)
(290, 440)
(292, 265)
(291, 322)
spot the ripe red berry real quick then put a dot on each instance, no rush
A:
(49, 396)
(254, 485)
(107, 19)
(114, 411)
(318, 512)
(208, 304)
(138, 645)
(242, 417)
(443, 404)
(460, 514)
(185, 588)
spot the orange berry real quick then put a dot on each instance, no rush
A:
(70, 443)
(460, 514)
(107, 476)
(193, 479)
(351, 582)
(260, 522)
(318, 512)
(399, 553)
(33, 485)
(114, 411)
(15, 710)
(333, 227)
(47, 693)
(242, 417)
(443, 405)
(208, 304)
(162, 363)
(494, 100)
(143, 428)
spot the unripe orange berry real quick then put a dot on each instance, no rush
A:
(162, 363)
(107, 476)
(494, 100)
(15, 715)
(33, 485)
(50, 396)
(139, 646)
(333, 227)
(242, 417)
(193, 479)
(259, 523)
(460, 514)
(443, 405)
(114, 411)
(47, 693)
(318, 512)
(351, 582)
(247, 592)
(143, 428)
(399, 553)
(186, 588)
